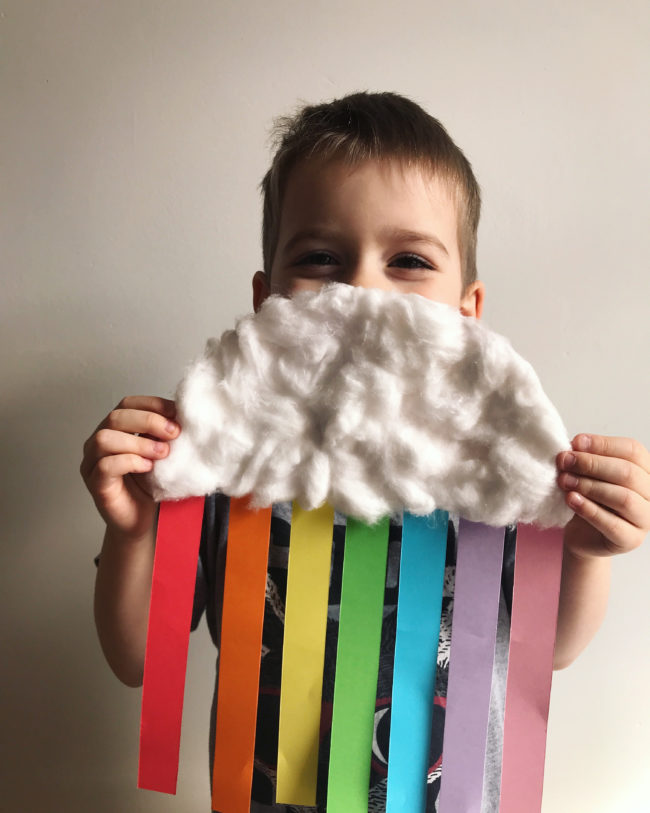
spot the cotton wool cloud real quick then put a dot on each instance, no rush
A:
(373, 401)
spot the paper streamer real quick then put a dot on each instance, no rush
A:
(538, 570)
(310, 553)
(357, 664)
(170, 618)
(477, 589)
(422, 569)
(240, 653)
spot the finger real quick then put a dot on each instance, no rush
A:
(613, 470)
(141, 422)
(143, 403)
(107, 442)
(109, 469)
(626, 503)
(149, 403)
(618, 535)
(624, 448)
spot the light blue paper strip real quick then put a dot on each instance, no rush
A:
(422, 570)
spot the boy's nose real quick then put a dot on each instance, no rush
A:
(367, 275)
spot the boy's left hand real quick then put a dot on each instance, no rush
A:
(606, 481)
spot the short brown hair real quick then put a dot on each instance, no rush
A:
(371, 126)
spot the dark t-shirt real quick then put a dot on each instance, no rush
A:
(208, 597)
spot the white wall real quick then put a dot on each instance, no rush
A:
(133, 140)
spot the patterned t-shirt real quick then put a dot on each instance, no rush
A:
(209, 594)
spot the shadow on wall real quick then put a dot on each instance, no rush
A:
(70, 729)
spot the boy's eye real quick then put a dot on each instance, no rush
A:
(318, 258)
(411, 261)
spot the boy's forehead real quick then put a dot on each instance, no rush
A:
(410, 190)
(317, 177)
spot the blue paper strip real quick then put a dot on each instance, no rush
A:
(422, 570)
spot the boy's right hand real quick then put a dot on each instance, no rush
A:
(122, 448)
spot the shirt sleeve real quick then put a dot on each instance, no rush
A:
(508, 571)
(208, 593)
(200, 593)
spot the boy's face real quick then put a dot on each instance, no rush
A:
(375, 225)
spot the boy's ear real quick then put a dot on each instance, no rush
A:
(471, 303)
(261, 289)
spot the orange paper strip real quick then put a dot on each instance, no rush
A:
(239, 658)
(538, 569)
(170, 617)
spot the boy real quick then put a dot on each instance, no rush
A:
(368, 190)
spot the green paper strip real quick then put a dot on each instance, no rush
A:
(357, 663)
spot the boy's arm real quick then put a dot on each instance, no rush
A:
(607, 485)
(122, 594)
(123, 448)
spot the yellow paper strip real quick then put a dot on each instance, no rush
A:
(310, 553)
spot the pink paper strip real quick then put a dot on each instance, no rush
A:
(170, 618)
(538, 569)
(471, 658)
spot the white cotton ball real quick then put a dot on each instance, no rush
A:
(374, 401)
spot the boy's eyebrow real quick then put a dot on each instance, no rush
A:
(399, 235)
(307, 234)
(409, 236)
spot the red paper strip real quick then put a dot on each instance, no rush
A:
(240, 654)
(170, 618)
(538, 569)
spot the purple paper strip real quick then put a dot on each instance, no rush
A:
(473, 637)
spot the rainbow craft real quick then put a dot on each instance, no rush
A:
(371, 404)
